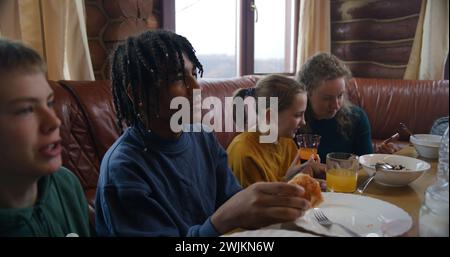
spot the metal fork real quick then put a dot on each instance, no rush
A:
(324, 221)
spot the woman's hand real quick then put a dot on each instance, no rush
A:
(312, 167)
(387, 147)
(261, 204)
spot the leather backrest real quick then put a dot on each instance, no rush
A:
(222, 89)
(89, 124)
(96, 101)
(78, 151)
(387, 102)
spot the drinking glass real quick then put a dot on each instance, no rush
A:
(342, 172)
(308, 144)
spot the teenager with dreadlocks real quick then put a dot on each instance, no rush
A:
(155, 182)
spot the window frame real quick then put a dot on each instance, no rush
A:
(245, 36)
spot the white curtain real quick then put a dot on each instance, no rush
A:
(314, 33)
(430, 47)
(54, 28)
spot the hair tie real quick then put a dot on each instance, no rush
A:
(250, 92)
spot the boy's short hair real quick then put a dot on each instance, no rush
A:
(16, 57)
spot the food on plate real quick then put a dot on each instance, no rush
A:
(311, 186)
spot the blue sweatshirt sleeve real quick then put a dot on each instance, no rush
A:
(205, 230)
(126, 203)
(131, 212)
(139, 194)
(227, 184)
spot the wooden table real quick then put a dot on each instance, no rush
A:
(408, 198)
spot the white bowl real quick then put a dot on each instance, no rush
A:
(426, 145)
(414, 168)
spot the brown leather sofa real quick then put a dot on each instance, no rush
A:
(89, 124)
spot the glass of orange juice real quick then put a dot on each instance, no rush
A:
(308, 144)
(342, 172)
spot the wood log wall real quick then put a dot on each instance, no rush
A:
(374, 37)
(109, 22)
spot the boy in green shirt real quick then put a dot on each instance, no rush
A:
(37, 196)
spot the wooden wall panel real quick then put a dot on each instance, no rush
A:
(368, 29)
(112, 21)
(374, 37)
(366, 69)
(394, 54)
(375, 9)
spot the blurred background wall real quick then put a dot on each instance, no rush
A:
(111, 21)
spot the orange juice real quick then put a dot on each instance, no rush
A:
(305, 153)
(341, 180)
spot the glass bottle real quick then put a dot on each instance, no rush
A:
(434, 219)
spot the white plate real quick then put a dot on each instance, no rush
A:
(365, 215)
(269, 233)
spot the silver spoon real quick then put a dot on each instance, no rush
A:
(378, 166)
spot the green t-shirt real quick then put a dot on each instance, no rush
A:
(61, 210)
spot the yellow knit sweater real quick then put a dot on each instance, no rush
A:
(252, 161)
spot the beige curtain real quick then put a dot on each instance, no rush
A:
(9, 23)
(54, 28)
(314, 33)
(430, 47)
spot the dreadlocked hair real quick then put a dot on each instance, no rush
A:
(141, 66)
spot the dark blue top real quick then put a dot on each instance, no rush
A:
(358, 142)
(171, 189)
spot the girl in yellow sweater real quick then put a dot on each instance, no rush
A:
(250, 159)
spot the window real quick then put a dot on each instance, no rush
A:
(237, 37)
(215, 42)
(274, 30)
